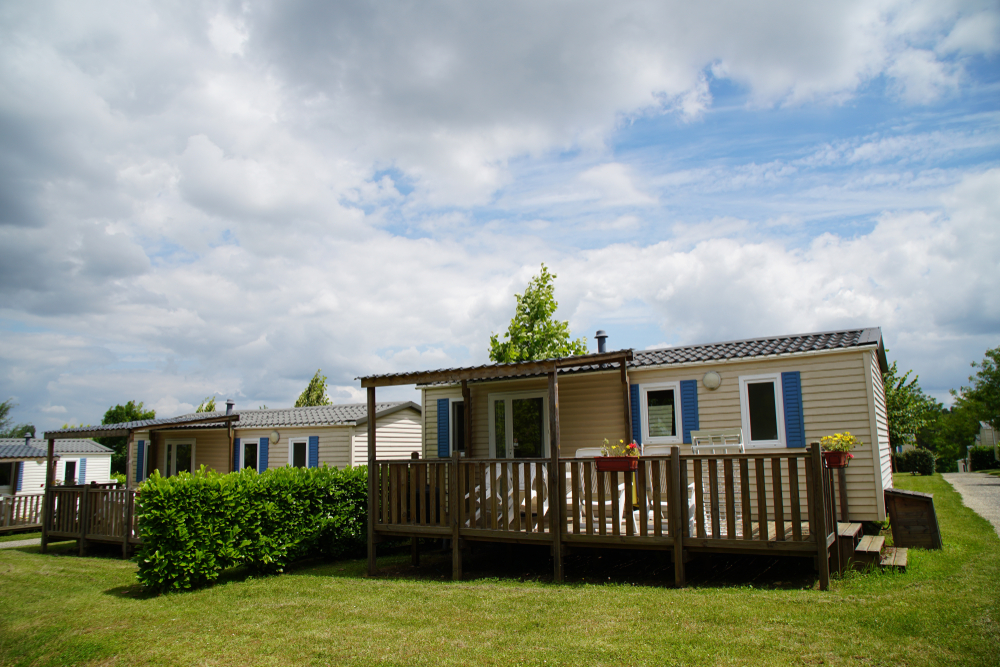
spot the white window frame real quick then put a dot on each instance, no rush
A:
(175, 442)
(508, 397)
(452, 433)
(243, 443)
(779, 407)
(291, 448)
(644, 414)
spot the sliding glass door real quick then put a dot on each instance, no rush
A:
(519, 425)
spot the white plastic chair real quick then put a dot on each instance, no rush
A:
(720, 442)
(595, 504)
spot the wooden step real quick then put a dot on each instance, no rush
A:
(868, 552)
(849, 530)
(894, 558)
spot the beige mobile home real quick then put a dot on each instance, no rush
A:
(782, 391)
(334, 435)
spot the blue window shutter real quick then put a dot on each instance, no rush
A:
(140, 459)
(236, 454)
(633, 399)
(795, 425)
(313, 451)
(82, 472)
(442, 416)
(262, 456)
(20, 475)
(689, 408)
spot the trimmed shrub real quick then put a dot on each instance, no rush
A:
(195, 526)
(981, 458)
(914, 461)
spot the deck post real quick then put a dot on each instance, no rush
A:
(676, 515)
(50, 474)
(626, 400)
(371, 482)
(129, 505)
(83, 516)
(453, 507)
(845, 515)
(819, 512)
(557, 482)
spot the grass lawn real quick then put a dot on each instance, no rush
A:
(13, 537)
(60, 609)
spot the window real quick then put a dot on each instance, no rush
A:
(179, 456)
(6, 474)
(761, 406)
(661, 414)
(69, 473)
(298, 452)
(457, 425)
(249, 453)
(519, 425)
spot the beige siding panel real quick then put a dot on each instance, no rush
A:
(334, 443)
(880, 417)
(211, 448)
(396, 437)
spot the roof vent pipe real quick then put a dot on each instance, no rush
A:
(601, 341)
(27, 439)
(229, 406)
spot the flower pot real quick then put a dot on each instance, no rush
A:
(617, 463)
(836, 459)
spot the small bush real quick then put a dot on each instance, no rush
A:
(981, 458)
(195, 526)
(915, 461)
(945, 465)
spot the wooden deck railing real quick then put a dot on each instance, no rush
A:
(92, 513)
(756, 502)
(20, 512)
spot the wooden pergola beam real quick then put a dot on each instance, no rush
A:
(495, 371)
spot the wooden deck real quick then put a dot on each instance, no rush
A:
(746, 503)
(91, 513)
(20, 512)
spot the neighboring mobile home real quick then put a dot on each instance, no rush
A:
(783, 391)
(335, 435)
(22, 464)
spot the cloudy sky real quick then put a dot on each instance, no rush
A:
(218, 198)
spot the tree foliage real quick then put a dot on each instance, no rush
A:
(315, 392)
(119, 414)
(207, 405)
(907, 407)
(533, 332)
(985, 390)
(8, 429)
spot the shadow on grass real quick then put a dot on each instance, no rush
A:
(583, 566)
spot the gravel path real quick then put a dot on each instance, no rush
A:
(21, 543)
(980, 493)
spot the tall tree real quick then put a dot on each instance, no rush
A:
(8, 429)
(315, 392)
(985, 389)
(533, 332)
(119, 414)
(207, 405)
(908, 408)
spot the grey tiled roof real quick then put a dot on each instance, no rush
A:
(758, 347)
(13, 448)
(735, 349)
(319, 415)
(96, 430)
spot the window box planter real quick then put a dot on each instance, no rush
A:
(616, 463)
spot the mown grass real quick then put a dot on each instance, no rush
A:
(14, 537)
(59, 609)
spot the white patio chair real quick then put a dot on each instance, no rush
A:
(720, 442)
(595, 504)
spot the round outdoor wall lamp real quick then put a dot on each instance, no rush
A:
(711, 380)
(274, 437)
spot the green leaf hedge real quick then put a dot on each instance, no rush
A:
(194, 526)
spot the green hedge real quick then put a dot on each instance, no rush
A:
(981, 458)
(195, 526)
(915, 460)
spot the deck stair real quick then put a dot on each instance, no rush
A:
(861, 551)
